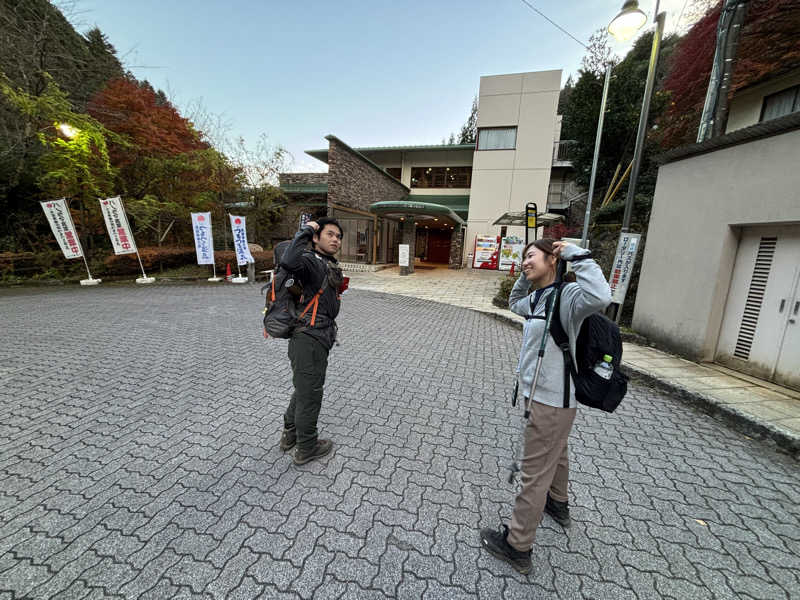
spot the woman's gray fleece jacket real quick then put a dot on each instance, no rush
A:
(589, 294)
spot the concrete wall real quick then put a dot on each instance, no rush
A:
(700, 204)
(356, 183)
(505, 180)
(745, 106)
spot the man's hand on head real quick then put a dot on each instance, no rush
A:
(314, 225)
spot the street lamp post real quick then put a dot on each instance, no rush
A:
(640, 135)
(596, 156)
(626, 23)
(623, 27)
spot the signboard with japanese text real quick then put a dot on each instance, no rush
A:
(239, 229)
(487, 249)
(117, 225)
(402, 253)
(510, 252)
(60, 220)
(203, 239)
(622, 267)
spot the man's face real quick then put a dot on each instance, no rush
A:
(328, 240)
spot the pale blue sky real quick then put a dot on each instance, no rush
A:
(373, 73)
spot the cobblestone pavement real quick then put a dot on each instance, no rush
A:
(467, 288)
(139, 458)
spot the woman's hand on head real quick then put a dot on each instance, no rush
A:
(558, 247)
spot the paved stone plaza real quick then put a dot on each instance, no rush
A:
(139, 458)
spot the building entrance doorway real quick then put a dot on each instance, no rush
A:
(760, 331)
(438, 246)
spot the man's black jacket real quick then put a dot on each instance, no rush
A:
(311, 268)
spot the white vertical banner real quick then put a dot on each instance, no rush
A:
(203, 238)
(239, 230)
(119, 230)
(57, 213)
(622, 267)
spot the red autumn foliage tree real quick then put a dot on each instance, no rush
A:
(148, 120)
(165, 168)
(687, 82)
(768, 46)
(770, 42)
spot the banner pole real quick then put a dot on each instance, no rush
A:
(141, 266)
(90, 280)
(87, 268)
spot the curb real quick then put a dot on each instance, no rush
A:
(784, 440)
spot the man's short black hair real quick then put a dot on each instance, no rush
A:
(328, 221)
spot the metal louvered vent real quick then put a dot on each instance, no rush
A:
(755, 296)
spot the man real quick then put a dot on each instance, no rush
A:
(319, 273)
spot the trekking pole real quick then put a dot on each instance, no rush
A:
(551, 304)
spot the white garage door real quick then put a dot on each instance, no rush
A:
(761, 326)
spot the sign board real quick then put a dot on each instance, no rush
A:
(203, 239)
(531, 221)
(239, 229)
(510, 252)
(57, 213)
(487, 250)
(402, 253)
(117, 225)
(622, 268)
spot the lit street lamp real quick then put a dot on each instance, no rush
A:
(68, 130)
(625, 24)
(629, 20)
(648, 92)
(623, 27)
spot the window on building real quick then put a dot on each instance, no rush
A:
(780, 104)
(394, 172)
(441, 177)
(497, 138)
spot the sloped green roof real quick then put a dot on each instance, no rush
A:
(322, 153)
(413, 207)
(305, 188)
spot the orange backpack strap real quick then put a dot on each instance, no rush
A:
(315, 302)
(273, 289)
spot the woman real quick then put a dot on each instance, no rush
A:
(544, 462)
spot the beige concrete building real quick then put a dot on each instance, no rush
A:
(517, 124)
(720, 277)
(437, 198)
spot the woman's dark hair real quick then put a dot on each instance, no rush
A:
(544, 245)
(328, 221)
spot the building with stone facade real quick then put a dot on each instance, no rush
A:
(438, 198)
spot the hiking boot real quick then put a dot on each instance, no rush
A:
(559, 511)
(288, 439)
(496, 542)
(321, 448)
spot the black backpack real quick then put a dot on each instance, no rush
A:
(282, 313)
(598, 336)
